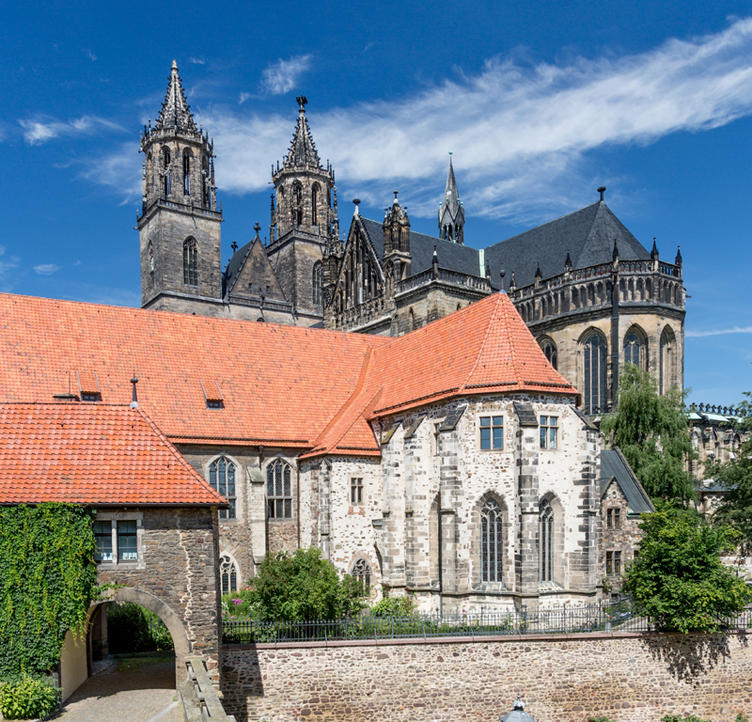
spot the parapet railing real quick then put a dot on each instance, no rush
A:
(199, 699)
(620, 616)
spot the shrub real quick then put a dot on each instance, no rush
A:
(28, 697)
(679, 718)
(238, 604)
(131, 628)
(393, 607)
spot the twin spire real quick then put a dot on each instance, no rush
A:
(451, 211)
(302, 151)
(176, 113)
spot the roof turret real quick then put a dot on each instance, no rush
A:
(175, 112)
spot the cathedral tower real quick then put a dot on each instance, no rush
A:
(303, 219)
(179, 224)
(451, 212)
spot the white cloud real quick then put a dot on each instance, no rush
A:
(40, 130)
(90, 54)
(197, 61)
(718, 332)
(120, 171)
(283, 76)
(46, 269)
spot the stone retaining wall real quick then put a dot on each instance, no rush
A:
(628, 677)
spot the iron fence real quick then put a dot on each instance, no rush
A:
(620, 616)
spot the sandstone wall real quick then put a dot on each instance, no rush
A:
(630, 678)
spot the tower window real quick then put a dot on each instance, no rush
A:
(190, 262)
(297, 194)
(187, 172)
(314, 204)
(317, 283)
(205, 180)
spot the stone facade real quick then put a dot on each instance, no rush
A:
(629, 678)
(620, 535)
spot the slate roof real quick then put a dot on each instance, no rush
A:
(94, 454)
(452, 256)
(588, 235)
(615, 466)
(280, 385)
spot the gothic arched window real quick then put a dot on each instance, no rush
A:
(279, 490)
(190, 262)
(205, 181)
(635, 348)
(228, 574)
(222, 480)
(546, 542)
(166, 170)
(594, 375)
(317, 283)
(667, 361)
(187, 172)
(297, 199)
(549, 349)
(361, 572)
(314, 204)
(491, 542)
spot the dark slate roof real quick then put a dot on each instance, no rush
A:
(588, 235)
(615, 466)
(235, 266)
(452, 256)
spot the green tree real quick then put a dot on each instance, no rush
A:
(302, 586)
(678, 579)
(652, 432)
(735, 507)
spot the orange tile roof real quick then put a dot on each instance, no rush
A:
(310, 389)
(94, 454)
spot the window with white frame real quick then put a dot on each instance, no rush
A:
(491, 432)
(117, 539)
(549, 432)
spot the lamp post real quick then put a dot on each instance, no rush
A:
(518, 713)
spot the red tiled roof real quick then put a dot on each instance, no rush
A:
(94, 454)
(279, 385)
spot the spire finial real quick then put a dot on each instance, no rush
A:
(678, 259)
(234, 246)
(302, 102)
(134, 398)
(502, 273)
(602, 191)
(174, 64)
(356, 202)
(257, 228)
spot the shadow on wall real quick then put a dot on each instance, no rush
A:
(688, 656)
(241, 683)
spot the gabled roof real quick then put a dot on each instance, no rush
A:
(93, 454)
(175, 112)
(614, 467)
(587, 235)
(280, 385)
(250, 265)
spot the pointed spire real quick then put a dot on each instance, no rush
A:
(654, 251)
(678, 259)
(568, 262)
(302, 151)
(451, 212)
(615, 254)
(175, 112)
(538, 274)
(435, 262)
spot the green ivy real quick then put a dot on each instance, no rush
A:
(47, 581)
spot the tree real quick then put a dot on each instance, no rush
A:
(302, 586)
(651, 430)
(735, 507)
(678, 579)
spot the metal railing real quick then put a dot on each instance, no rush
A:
(619, 616)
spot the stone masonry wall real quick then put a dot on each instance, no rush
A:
(629, 678)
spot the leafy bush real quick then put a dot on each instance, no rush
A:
(300, 587)
(28, 697)
(132, 628)
(238, 604)
(678, 579)
(600, 719)
(393, 607)
(47, 580)
(679, 718)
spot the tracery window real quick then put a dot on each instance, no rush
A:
(546, 541)
(317, 283)
(634, 349)
(297, 194)
(222, 480)
(205, 180)
(361, 572)
(228, 574)
(166, 170)
(549, 349)
(594, 376)
(279, 490)
(314, 204)
(187, 172)
(491, 541)
(190, 262)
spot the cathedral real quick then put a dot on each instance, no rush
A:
(592, 295)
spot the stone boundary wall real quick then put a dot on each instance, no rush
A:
(628, 677)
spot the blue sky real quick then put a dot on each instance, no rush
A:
(539, 102)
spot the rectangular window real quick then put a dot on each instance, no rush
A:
(356, 491)
(103, 536)
(613, 518)
(549, 428)
(613, 563)
(127, 543)
(491, 432)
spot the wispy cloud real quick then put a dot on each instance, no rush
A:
(46, 269)
(197, 61)
(718, 332)
(42, 129)
(283, 76)
(7, 264)
(120, 171)
(90, 54)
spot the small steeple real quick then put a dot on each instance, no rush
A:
(654, 251)
(678, 259)
(302, 151)
(451, 211)
(175, 112)
(568, 262)
(615, 254)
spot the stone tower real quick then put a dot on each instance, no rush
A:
(179, 224)
(303, 220)
(451, 212)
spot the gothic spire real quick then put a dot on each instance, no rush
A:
(451, 212)
(302, 151)
(175, 112)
